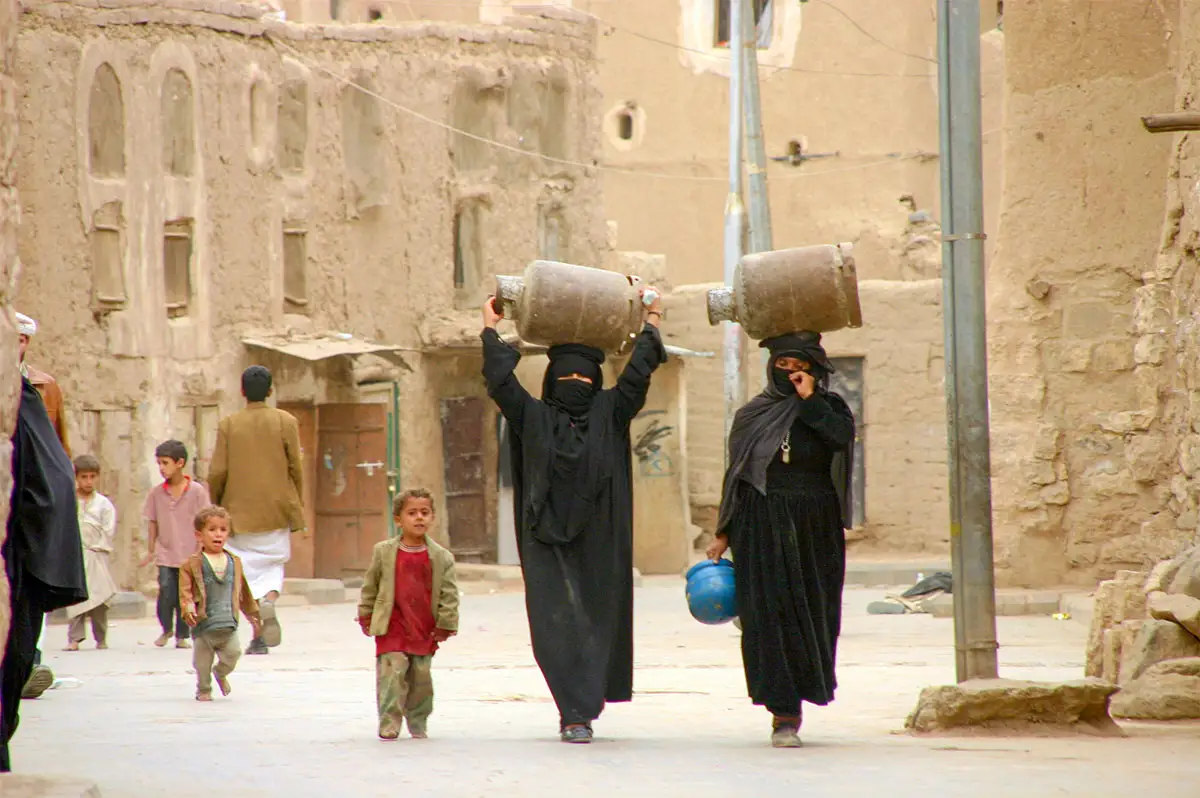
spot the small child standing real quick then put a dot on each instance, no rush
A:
(409, 605)
(97, 529)
(170, 511)
(212, 588)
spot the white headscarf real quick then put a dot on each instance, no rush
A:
(26, 325)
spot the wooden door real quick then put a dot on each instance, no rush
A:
(847, 382)
(302, 564)
(462, 453)
(352, 487)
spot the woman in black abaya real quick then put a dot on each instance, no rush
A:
(573, 502)
(785, 504)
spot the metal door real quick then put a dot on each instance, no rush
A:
(847, 382)
(466, 505)
(352, 502)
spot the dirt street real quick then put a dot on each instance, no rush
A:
(301, 721)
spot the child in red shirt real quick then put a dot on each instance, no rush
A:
(409, 605)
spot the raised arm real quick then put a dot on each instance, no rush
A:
(648, 354)
(499, 365)
(829, 416)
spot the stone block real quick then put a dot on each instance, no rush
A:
(1151, 349)
(1117, 600)
(1144, 456)
(1176, 607)
(1169, 690)
(1112, 356)
(13, 785)
(1155, 642)
(1016, 706)
(316, 591)
(1187, 575)
(1162, 575)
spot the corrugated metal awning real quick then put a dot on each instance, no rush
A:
(322, 346)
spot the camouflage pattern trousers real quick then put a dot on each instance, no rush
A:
(404, 689)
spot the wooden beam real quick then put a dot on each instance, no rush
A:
(1172, 122)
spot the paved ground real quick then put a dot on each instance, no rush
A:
(301, 721)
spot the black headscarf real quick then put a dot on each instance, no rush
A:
(572, 443)
(573, 396)
(802, 346)
(760, 426)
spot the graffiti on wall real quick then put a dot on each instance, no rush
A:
(649, 448)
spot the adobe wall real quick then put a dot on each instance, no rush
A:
(1088, 403)
(140, 114)
(9, 217)
(903, 426)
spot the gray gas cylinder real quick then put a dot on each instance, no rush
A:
(560, 303)
(788, 290)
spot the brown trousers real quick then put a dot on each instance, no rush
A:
(99, 617)
(404, 691)
(221, 645)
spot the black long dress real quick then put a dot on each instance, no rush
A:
(578, 577)
(43, 556)
(789, 554)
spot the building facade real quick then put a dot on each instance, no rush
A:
(205, 188)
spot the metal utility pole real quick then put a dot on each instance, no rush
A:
(964, 307)
(735, 220)
(756, 169)
(758, 200)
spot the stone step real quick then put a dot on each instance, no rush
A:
(13, 785)
(1008, 603)
(125, 605)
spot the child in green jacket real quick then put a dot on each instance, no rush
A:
(409, 605)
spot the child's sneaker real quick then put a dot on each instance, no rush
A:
(223, 683)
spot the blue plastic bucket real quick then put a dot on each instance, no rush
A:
(711, 596)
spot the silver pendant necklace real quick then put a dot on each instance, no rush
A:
(786, 448)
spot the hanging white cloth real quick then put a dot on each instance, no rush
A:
(263, 556)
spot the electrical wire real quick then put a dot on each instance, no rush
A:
(898, 158)
(873, 37)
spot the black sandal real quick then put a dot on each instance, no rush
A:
(578, 733)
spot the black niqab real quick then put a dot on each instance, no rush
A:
(761, 425)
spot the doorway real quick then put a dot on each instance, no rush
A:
(352, 497)
(847, 382)
(466, 497)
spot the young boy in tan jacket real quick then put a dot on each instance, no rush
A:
(212, 589)
(409, 605)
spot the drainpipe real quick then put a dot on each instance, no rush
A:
(734, 346)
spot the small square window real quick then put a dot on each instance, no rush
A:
(764, 22)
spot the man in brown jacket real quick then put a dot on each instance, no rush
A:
(256, 474)
(52, 395)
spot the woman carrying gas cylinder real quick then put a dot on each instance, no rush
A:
(574, 512)
(784, 507)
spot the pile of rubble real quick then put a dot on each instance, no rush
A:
(1145, 638)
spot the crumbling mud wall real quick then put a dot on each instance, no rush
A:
(195, 172)
(1085, 418)
(9, 217)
